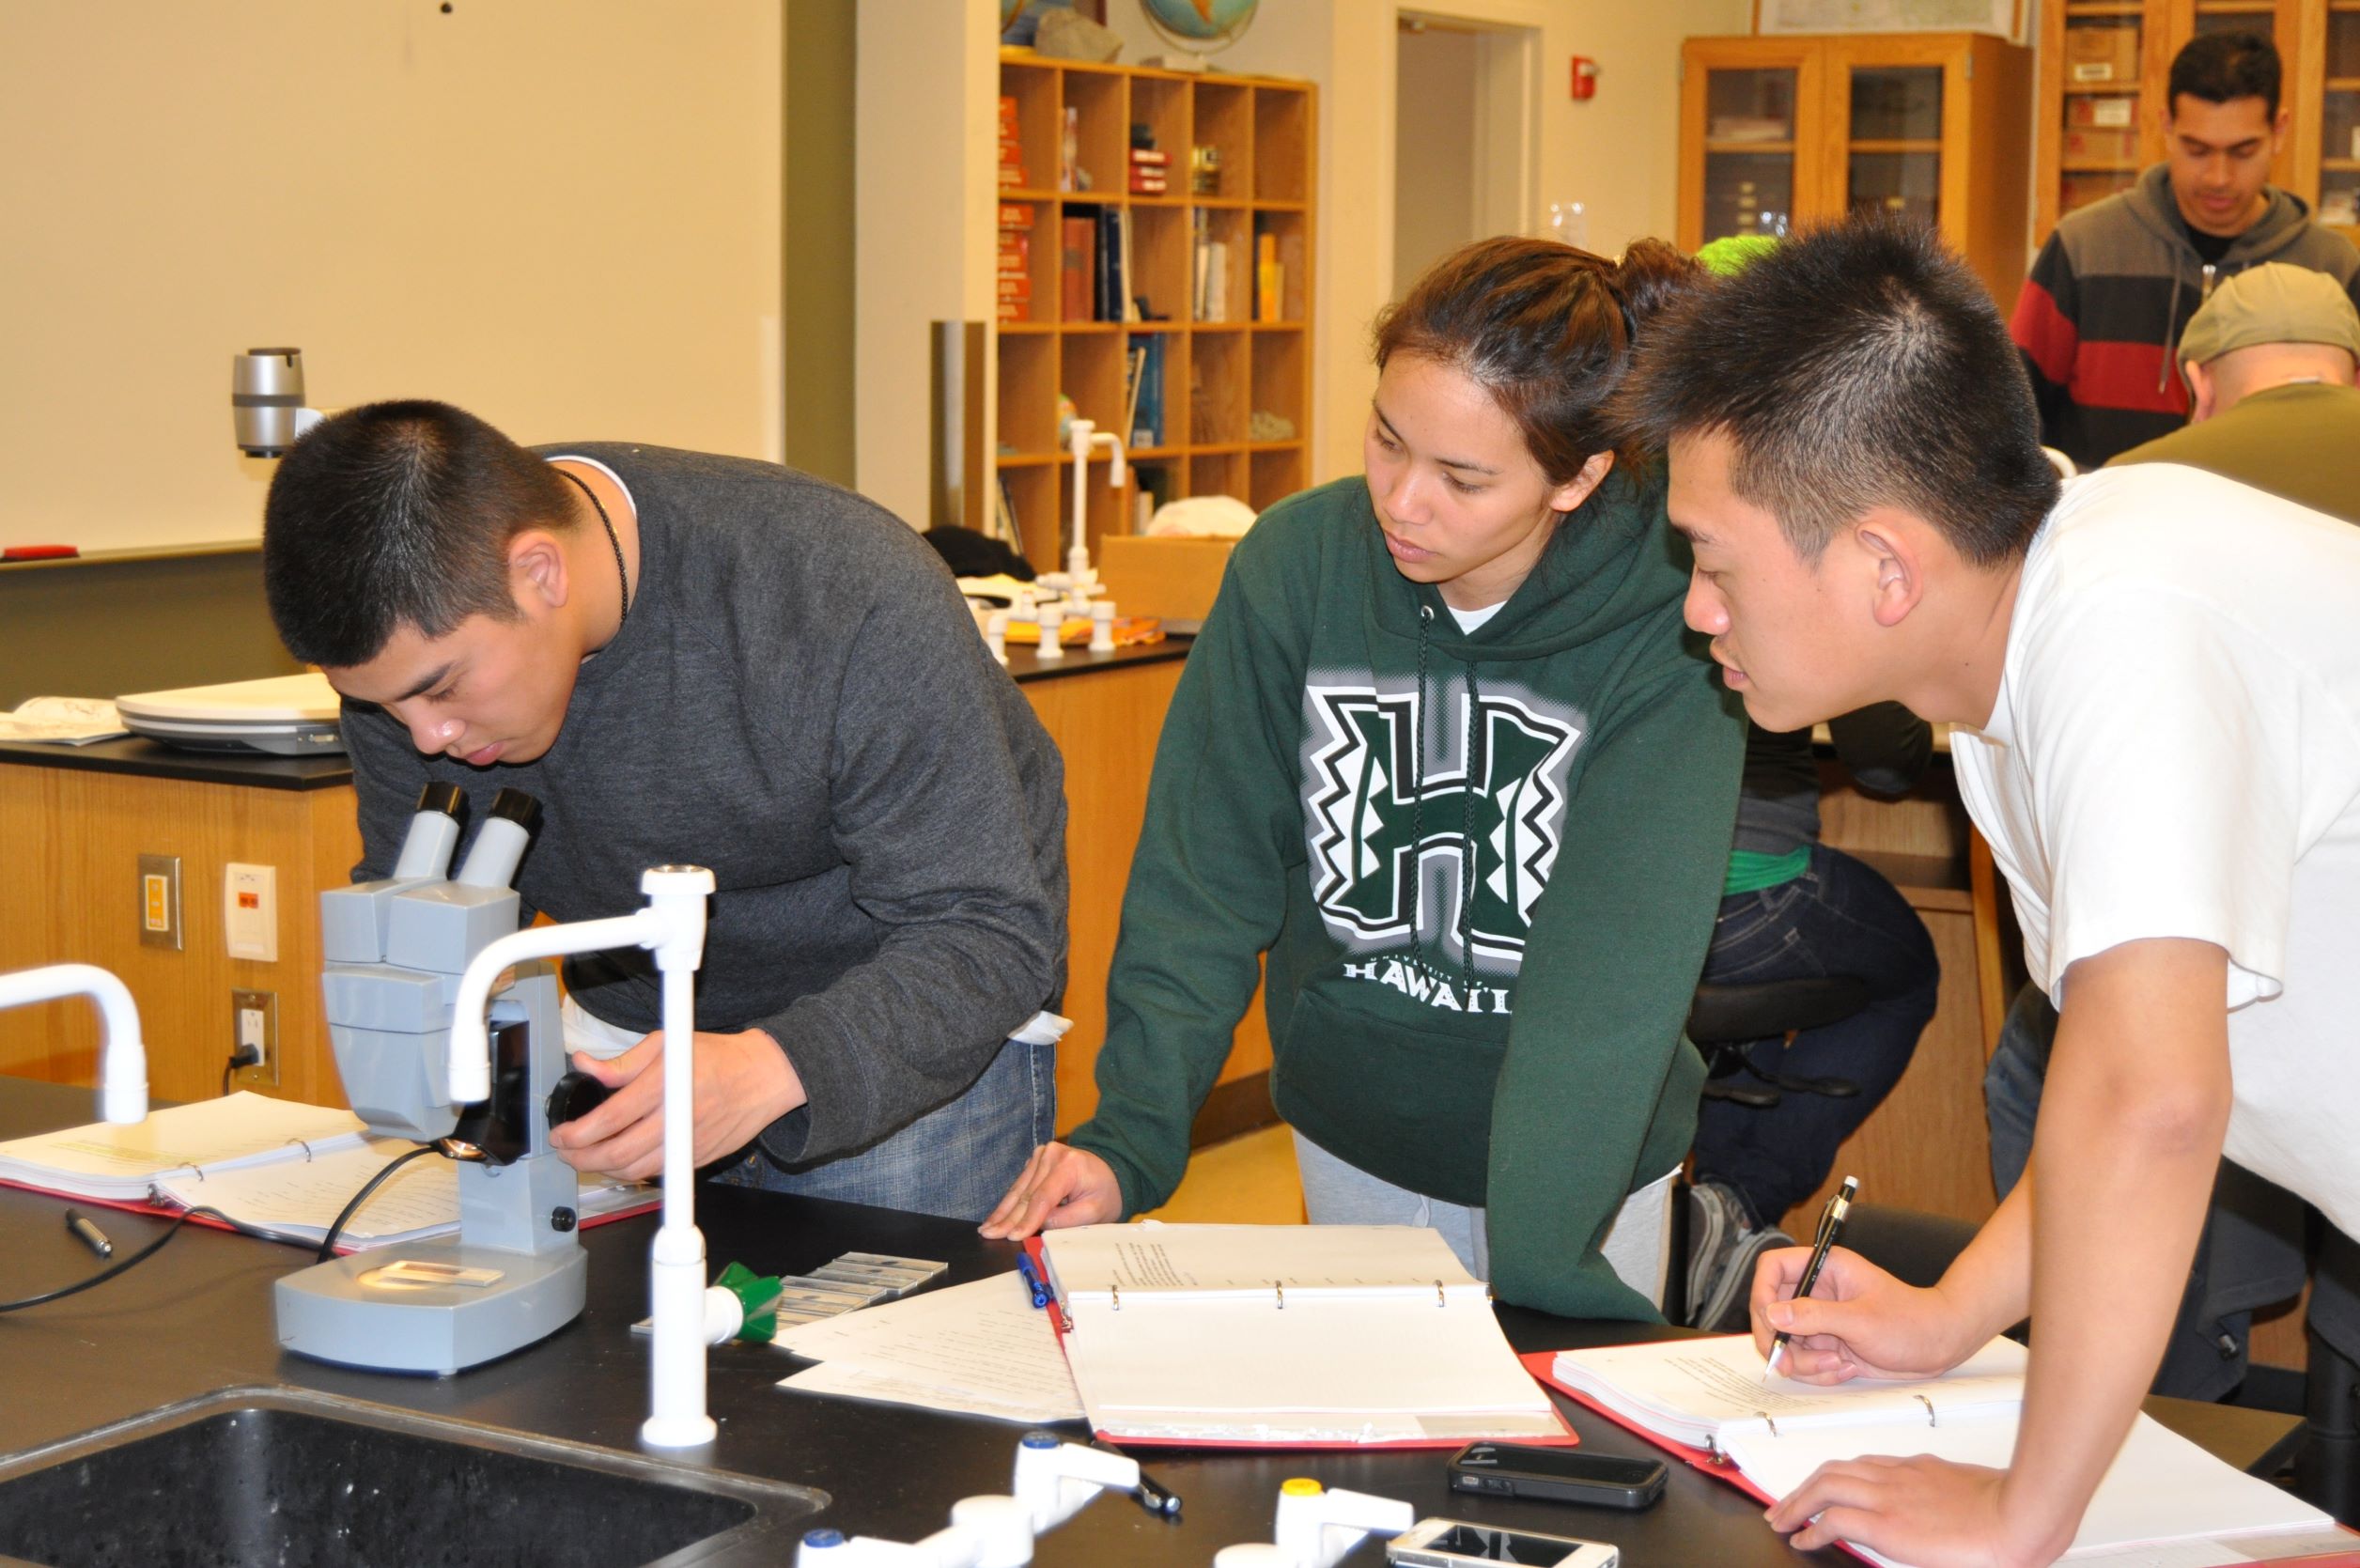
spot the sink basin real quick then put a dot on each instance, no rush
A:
(288, 1476)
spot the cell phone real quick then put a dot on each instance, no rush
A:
(1447, 1543)
(1558, 1475)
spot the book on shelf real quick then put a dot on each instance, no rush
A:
(1269, 280)
(1078, 267)
(1134, 373)
(1286, 1336)
(278, 1164)
(1107, 297)
(1146, 428)
(1707, 1399)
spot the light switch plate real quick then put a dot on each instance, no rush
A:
(250, 911)
(160, 901)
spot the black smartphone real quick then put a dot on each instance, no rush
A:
(1558, 1475)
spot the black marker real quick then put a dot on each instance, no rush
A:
(1831, 1222)
(92, 1238)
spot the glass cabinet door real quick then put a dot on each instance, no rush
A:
(1749, 141)
(1893, 141)
(2339, 118)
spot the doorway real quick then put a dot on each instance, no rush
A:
(1465, 123)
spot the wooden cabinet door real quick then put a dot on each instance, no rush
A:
(1751, 117)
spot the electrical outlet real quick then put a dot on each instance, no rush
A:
(254, 1020)
(160, 901)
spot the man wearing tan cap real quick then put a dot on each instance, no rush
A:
(2269, 362)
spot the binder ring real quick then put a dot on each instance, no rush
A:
(1114, 1293)
(1767, 1421)
(1930, 1411)
(1440, 1299)
(1281, 1290)
(299, 1143)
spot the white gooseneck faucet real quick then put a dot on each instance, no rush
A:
(672, 926)
(122, 1055)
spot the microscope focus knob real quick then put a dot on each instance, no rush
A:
(575, 1094)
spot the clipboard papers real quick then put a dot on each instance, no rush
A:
(2165, 1503)
(1286, 1336)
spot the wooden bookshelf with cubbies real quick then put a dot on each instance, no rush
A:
(2104, 67)
(1215, 233)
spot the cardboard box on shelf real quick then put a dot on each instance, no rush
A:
(2102, 54)
(2085, 111)
(2101, 147)
(1175, 579)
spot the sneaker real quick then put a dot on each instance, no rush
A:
(1727, 1297)
(1716, 1222)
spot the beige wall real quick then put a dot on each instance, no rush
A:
(564, 214)
(1617, 153)
(924, 198)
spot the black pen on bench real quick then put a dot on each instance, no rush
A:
(1153, 1495)
(1831, 1220)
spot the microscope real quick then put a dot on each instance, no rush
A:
(396, 951)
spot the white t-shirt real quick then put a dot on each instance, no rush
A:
(1470, 619)
(2176, 753)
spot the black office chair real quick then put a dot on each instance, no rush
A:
(1911, 1245)
(1724, 1019)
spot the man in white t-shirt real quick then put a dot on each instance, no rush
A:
(2156, 673)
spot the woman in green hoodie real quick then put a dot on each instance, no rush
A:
(1442, 755)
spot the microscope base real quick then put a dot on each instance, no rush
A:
(368, 1310)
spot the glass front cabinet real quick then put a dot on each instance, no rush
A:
(1775, 132)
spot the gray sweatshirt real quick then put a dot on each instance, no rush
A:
(798, 701)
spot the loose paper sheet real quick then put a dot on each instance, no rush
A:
(979, 1342)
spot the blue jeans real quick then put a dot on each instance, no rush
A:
(2011, 1084)
(956, 1160)
(1838, 918)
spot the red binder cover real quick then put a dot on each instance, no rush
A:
(1568, 1437)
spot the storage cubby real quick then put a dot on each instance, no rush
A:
(1101, 111)
(1282, 144)
(1031, 489)
(1278, 382)
(1224, 251)
(1218, 390)
(1161, 104)
(1219, 473)
(1036, 91)
(1277, 475)
(1093, 377)
(1214, 376)
(1029, 380)
(1161, 261)
(1285, 233)
(1223, 120)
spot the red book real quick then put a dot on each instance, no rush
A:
(1079, 268)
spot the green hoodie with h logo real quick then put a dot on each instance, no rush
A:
(1485, 866)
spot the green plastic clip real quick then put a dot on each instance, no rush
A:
(758, 1296)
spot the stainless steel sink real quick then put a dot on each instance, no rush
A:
(288, 1477)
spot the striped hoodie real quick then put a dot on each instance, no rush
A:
(2107, 299)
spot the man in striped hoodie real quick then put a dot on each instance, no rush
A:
(2110, 293)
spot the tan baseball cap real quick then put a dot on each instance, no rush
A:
(2273, 303)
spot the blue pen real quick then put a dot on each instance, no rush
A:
(1033, 1279)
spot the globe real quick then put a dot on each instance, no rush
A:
(1200, 25)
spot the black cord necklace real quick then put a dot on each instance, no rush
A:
(621, 576)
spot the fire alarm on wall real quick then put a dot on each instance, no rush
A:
(1585, 77)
